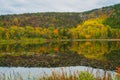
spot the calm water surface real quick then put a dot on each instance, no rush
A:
(96, 50)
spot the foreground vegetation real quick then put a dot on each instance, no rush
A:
(62, 75)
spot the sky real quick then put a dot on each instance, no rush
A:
(33, 6)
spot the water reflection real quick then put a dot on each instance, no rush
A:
(94, 50)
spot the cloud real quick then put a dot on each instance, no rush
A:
(31, 6)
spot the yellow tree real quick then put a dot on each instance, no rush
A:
(1, 32)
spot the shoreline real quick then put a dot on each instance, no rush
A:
(90, 40)
(57, 60)
(51, 40)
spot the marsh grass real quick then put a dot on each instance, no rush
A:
(62, 75)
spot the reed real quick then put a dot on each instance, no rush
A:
(62, 75)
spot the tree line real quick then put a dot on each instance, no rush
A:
(90, 29)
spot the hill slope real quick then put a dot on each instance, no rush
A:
(62, 19)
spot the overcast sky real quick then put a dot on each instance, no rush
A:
(31, 6)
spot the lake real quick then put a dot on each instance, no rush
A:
(44, 56)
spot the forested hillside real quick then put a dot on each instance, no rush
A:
(52, 19)
(114, 19)
(41, 20)
(100, 23)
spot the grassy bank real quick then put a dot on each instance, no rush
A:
(25, 41)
